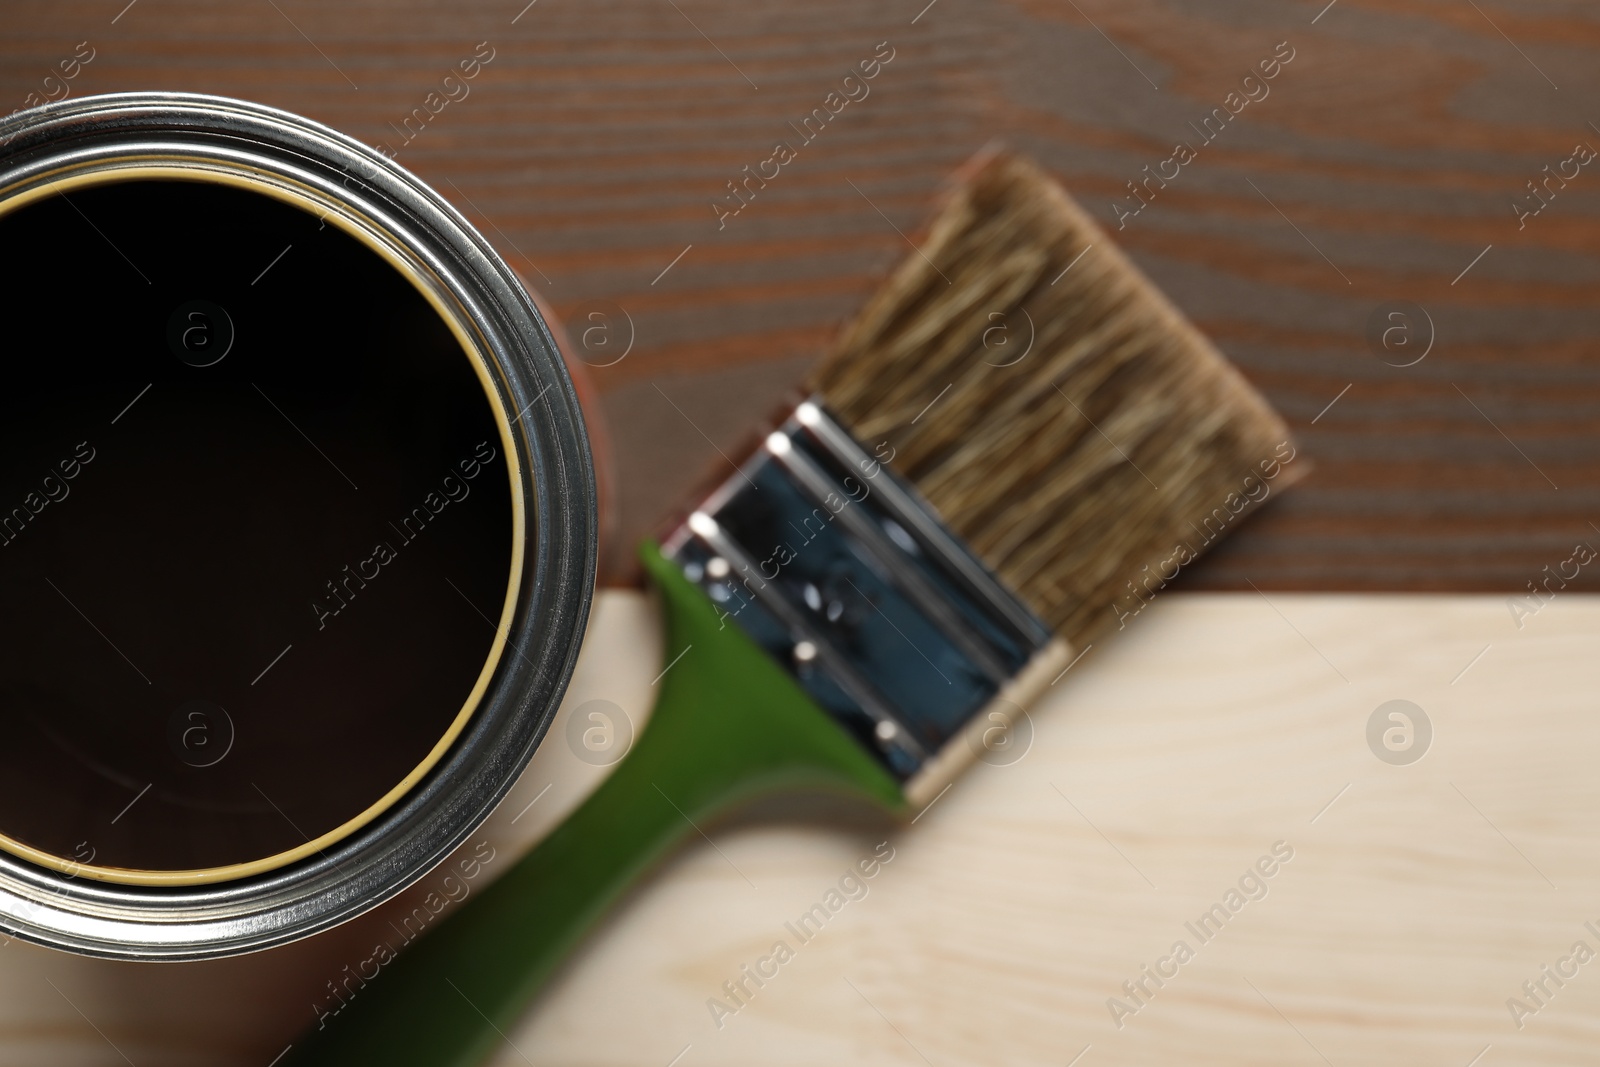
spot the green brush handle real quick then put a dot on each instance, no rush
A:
(729, 725)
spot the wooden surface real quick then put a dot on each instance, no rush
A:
(1383, 162)
(1418, 899)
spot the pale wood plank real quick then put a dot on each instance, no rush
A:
(1209, 730)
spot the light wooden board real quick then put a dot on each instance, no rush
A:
(1419, 898)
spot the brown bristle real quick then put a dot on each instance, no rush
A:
(1119, 440)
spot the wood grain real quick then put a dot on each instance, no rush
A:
(1384, 160)
(1418, 900)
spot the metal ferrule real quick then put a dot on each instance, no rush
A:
(840, 570)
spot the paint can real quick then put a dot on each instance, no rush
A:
(298, 527)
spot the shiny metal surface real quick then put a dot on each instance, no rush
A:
(537, 398)
(884, 618)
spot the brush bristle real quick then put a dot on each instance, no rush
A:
(1111, 443)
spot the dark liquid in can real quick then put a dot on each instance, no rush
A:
(255, 527)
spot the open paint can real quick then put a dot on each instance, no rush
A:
(297, 527)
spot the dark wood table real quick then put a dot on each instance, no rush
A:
(1384, 165)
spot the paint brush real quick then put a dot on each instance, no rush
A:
(1013, 448)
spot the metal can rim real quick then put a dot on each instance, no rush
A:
(560, 548)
